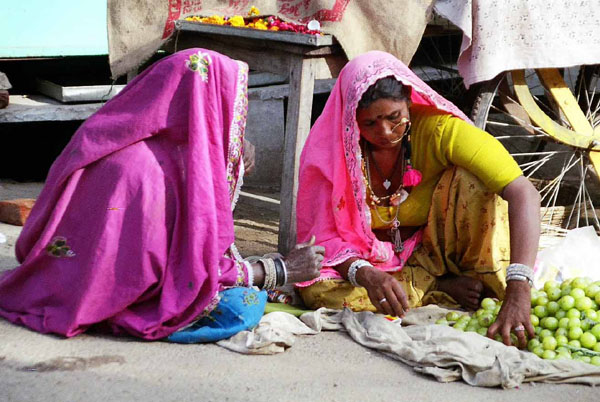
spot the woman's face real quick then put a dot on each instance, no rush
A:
(377, 122)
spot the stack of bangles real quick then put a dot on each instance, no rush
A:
(354, 267)
(519, 272)
(275, 272)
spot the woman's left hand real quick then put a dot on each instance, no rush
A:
(514, 314)
(249, 157)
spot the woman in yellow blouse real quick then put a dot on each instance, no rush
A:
(413, 204)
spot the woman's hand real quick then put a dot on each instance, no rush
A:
(249, 157)
(515, 313)
(304, 261)
(385, 292)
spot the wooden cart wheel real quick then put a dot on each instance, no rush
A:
(549, 120)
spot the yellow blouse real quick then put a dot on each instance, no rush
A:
(440, 140)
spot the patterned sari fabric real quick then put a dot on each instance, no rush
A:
(133, 230)
(332, 200)
(466, 234)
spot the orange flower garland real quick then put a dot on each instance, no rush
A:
(270, 23)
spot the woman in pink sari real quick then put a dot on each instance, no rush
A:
(133, 231)
(404, 194)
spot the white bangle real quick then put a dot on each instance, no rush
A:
(519, 272)
(354, 267)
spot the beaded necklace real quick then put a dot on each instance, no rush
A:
(396, 198)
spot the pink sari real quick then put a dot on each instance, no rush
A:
(331, 195)
(133, 228)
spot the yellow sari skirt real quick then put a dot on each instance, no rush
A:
(466, 234)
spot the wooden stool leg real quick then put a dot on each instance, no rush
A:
(302, 83)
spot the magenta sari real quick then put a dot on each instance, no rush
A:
(134, 226)
(332, 196)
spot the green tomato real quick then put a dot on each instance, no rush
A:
(575, 333)
(497, 309)
(583, 303)
(563, 322)
(592, 290)
(575, 343)
(566, 283)
(586, 359)
(596, 331)
(482, 331)
(588, 340)
(471, 328)
(573, 313)
(561, 332)
(549, 354)
(563, 355)
(552, 307)
(540, 311)
(535, 320)
(594, 305)
(561, 340)
(539, 351)
(577, 293)
(549, 343)
(566, 291)
(464, 319)
(597, 298)
(550, 285)
(488, 303)
(442, 321)
(595, 360)
(585, 324)
(597, 347)
(580, 283)
(566, 302)
(551, 323)
(554, 293)
(560, 314)
(453, 316)
(485, 320)
(533, 343)
(591, 314)
(574, 322)
(544, 333)
(537, 330)
(542, 301)
(534, 296)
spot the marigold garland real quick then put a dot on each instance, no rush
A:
(270, 23)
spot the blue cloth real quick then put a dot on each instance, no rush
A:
(238, 310)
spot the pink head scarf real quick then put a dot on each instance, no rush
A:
(134, 225)
(331, 196)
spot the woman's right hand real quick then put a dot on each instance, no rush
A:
(385, 292)
(303, 263)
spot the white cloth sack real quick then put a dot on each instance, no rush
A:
(442, 352)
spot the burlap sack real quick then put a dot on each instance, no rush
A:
(137, 28)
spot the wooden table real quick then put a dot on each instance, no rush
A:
(303, 58)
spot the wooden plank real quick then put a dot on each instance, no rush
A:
(23, 108)
(302, 80)
(276, 36)
(553, 129)
(564, 98)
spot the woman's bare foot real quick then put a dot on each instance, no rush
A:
(466, 291)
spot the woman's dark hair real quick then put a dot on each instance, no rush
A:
(385, 88)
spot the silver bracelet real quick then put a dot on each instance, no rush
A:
(519, 272)
(270, 281)
(517, 277)
(354, 267)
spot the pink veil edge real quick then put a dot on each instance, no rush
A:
(341, 135)
(97, 139)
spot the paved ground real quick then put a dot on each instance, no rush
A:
(325, 367)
